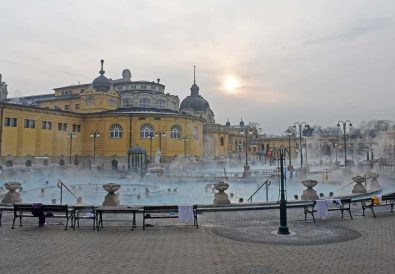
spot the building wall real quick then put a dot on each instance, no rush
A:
(24, 143)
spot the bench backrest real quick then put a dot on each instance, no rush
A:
(84, 208)
(164, 208)
(50, 208)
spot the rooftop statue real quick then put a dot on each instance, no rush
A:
(3, 89)
(157, 157)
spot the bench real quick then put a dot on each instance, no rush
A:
(123, 210)
(386, 200)
(165, 212)
(50, 211)
(83, 212)
(345, 206)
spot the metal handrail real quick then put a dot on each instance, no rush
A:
(267, 184)
(60, 185)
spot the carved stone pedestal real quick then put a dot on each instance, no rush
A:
(111, 199)
(221, 197)
(12, 196)
(359, 187)
(309, 193)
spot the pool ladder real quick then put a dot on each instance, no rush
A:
(62, 185)
(267, 184)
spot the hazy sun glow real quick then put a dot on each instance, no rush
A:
(231, 85)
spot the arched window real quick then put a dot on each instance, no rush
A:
(127, 103)
(146, 131)
(175, 132)
(144, 103)
(221, 141)
(161, 104)
(115, 131)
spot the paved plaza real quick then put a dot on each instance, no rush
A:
(369, 248)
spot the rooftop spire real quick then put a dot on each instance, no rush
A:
(102, 71)
(194, 74)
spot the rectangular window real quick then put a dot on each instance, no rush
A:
(10, 122)
(76, 128)
(66, 107)
(46, 125)
(30, 123)
(62, 126)
(77, 106)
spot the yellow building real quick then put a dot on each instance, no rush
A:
(97, 124)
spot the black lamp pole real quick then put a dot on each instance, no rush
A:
(344, 124)
(160, 134)
(246, 130)
(94, 135)
(301, 127)
(283, 228)
(71, 135)
(151, 135)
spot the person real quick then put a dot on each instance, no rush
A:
(38, 211)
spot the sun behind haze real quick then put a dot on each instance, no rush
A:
(231, 85)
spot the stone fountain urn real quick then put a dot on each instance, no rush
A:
(309, 193)
(374, 183)
(359, 187)
(12, 196)
(111, 198)
(221, 197)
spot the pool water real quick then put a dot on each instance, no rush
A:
(161, 190)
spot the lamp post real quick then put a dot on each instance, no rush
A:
(185, 139)
(160, 134)
(71, 135)
(151, 136)
(94, 135)
(246, 130)
(344, 124)
(321, 162)
(283, 228)
(301, 126)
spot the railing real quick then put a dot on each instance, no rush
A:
(60, 186)
(267, 184)
(214, 174)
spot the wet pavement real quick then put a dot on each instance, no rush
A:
(226, 242)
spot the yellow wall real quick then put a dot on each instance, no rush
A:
(20, 141)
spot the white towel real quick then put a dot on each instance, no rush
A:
(185, 213)
(380, 199)
(322, 208)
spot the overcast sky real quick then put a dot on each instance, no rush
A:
(313, 61)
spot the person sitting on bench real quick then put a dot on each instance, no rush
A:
(38, 211)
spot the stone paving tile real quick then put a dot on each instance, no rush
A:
(184, 249)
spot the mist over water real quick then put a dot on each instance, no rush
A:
(40, 185)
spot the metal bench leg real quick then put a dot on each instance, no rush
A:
(20, 221)
(349, 212)
(143, 222)
(67, 223)
(94, 223)
(13, 223)
(1, 215)
(342, 210)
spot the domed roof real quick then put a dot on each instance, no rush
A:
(137, 150)
(101, 83)
(195, 102)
